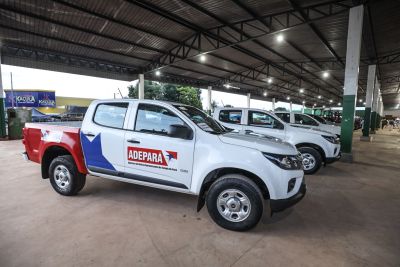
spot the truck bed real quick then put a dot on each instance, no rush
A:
(42, 136)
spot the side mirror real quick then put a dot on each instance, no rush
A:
(180, 131)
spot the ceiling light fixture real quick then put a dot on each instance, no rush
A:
(319, 97)
(325, 74)
(269, 80)
(288, 98)
(339, 104)
(265, 93)
(301, 90)
(280, 38)
(330, 100)
(158, 73)
(202, 58)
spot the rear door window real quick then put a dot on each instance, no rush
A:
(111, 114)
(284, 116)
(230, 116)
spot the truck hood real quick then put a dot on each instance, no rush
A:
(263, 143)
(330, 128)
(310, 130)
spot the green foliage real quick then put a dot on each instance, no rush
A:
(190, 96)
(152, 90)
(168, 92)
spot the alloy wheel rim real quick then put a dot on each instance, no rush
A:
(233, 205)
(308, 161)
(62, 177)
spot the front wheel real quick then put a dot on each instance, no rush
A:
(65, 177)
(235, 202)
(312, 160)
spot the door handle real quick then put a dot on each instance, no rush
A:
(133, 141)
(89, 134)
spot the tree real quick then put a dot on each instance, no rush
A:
(190, 96)
(168, 92)
(152, 90)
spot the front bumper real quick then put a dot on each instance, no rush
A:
(278, 205)
(331, 160)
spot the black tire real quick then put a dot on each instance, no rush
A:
(317, 156)
(248, 188)
(76, 180)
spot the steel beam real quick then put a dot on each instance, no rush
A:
(223, 42)
(320, 36)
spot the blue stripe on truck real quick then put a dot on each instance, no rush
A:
(93, 153)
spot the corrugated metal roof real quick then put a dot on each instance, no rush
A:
(146, 34)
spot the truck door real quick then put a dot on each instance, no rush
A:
(153, 156)
(103, 136)
(264, 123)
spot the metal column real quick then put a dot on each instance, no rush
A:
(375, 106)
(141, 86)
(368, 103)
(2, 107)
(351, 79)
(248, 99)
(273, 104)
(209, 106)
(290, 107)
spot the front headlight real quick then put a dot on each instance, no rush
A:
(331, 139)
(286, 162)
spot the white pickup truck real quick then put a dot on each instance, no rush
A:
(316, 146)
(174, 147)
(296, 118)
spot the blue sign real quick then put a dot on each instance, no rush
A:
(30, 99)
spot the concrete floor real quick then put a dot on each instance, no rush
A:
(350, 217)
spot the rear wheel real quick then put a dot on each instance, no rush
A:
(235, 202)
(65, 177)
(312, 159)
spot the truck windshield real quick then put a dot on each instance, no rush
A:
(205, 122)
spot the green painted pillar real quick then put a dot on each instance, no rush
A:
(368, 102)
(2, 106)
(374, 113)
(373, 121)
(354, 35)
(2, 118)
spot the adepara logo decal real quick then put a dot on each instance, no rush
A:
(151, 156)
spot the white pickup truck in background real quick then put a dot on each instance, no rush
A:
(173, 147)
(316, 146)
(296, 118)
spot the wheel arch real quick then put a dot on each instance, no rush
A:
(217, 173)
(316, 147)
(51, 153)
